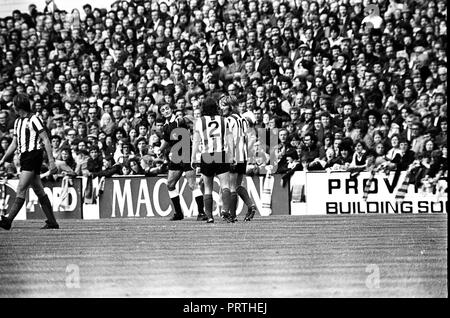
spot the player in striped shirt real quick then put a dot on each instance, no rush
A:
(212, 133)
(239, 128)
(179, 161)
(28, 133)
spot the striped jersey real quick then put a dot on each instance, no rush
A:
(239, 128)
(27, 130)
(212, 131)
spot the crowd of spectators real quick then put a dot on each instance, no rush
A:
(342, 80)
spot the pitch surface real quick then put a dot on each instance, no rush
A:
(278, 256)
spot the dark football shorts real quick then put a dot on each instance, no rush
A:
(214, 165)
(179, 166)
(32, 161)
(239, 168)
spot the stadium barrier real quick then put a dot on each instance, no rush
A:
(308, 193)
(69, 207)
(321, 193)
(138, 196)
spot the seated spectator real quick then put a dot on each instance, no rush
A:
(280, 151)
(141, 146)
(359, 158)
(406, 156)
(345, 155)
(95, 161)
(81, 161)
(66, 163)
(293, 164)
(109, 168)
(438, 165)
(126, 170)
(309, 148)
(135, 167)
(330, 162)
(338, 73)
(441, 138)
(106, 124)
(394, 147)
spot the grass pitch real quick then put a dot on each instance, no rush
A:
(277, 256)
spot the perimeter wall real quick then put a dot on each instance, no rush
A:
(307, 193)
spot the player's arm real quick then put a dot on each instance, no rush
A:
(48, 148)
(195, 147)
(250, 139)
(164, 145)
(164, 142)
(12, 147)
(234, 128)
(230, 145)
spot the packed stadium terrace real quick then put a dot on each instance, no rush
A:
(350, 85)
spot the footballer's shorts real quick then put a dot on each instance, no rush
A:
(214, 164)
(181, 166)
(32, 161)
(239, 168)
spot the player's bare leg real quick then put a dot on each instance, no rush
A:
(197, 193)
(224, 180)
(233, 196)
(243, 194)
(207, 197)
(25, 180)
(45, 203)
(172, 179)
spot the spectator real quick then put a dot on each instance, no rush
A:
(394, 147)
(406, 156)
(126, 170)
(293, 164)
(135, 167)
(280, 151)
(441, 138)
(310, 152)
(66, 163)
(109, 168)
(95, 162)
(383, 69)
(81, 162)
(106, 124)
(359, 158)
(4, 127)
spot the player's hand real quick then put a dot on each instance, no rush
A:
(52, 168)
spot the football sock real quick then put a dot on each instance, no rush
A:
(173, 194)
(17, 205)
(242, 192)
(208, 205)
(226, 198)
(199, 200)
(48, 209)
(233, 204)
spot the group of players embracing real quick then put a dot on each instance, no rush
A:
(215, 144)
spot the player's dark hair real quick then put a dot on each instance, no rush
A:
(210, 107)
(21, 101)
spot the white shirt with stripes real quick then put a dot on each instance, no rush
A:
(27, 130)
(212, 131)
(239, 128)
